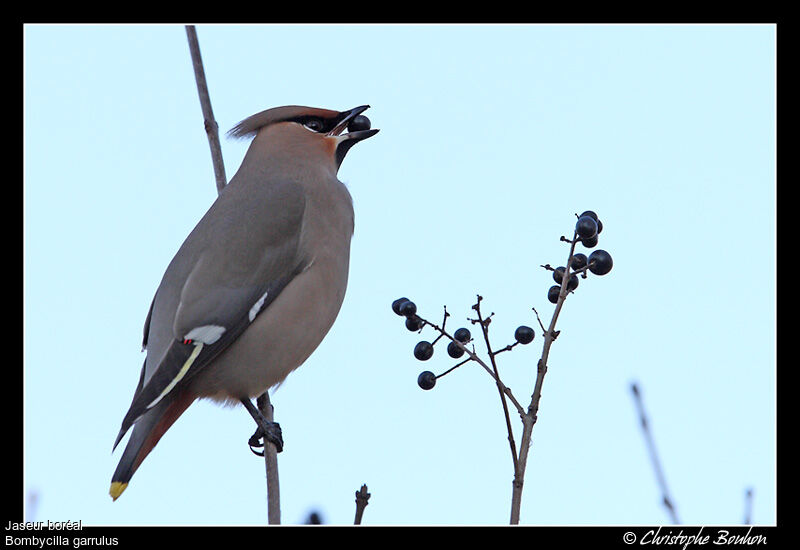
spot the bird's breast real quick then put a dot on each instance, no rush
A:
(283, 335)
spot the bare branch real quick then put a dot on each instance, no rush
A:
(651, 448)
(211, 126)
(362, 499)
(529, 419)
(271, 465)
(474, 357)
(748, 506)
(485, 329)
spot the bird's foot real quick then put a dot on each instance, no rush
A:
(271, 431)
(266, 430)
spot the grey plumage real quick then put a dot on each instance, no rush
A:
(258, 282)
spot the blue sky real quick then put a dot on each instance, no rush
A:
(492, 138)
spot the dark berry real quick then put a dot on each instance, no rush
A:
(558, 276)
(426, 380)
(552, 293)
(462, 335)
(413, 323)
(423, 351)
(408, 308)
(586, 227)
(397, 303)
(578, 261)
(589, 242)
(524, 335)
(600, 262)
(454, 350)
(595, 218)
(359, 123)
(572, 284)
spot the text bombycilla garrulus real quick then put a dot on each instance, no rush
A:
(259, 281)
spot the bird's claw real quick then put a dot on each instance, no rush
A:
(255, 441)
(269, 431)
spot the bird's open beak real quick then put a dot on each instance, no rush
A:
(347, 140)
(348, 116)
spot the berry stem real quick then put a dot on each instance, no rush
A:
(507, 348)
(472, 356)
(485, 331)
(454, 367)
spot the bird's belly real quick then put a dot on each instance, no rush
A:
(281, 338)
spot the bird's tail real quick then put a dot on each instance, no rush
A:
(146, 432)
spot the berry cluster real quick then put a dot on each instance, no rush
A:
(456, 348)
(599, 262)
(587, 230)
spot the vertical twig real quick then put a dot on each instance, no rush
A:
(651, 448)
(484, 323)
(211, 126)
(362, 499)
(748, 506)
(529, 419)
(212, 132)
(271, 464)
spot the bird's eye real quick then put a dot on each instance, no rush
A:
(314, 124)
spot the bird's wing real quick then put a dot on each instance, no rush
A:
(237, 260)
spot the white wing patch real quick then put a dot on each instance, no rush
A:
(257, 307)
(207, 334)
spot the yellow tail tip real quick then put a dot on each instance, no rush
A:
(117, 488)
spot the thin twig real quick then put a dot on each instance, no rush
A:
(549, 337)
(211, 126)
(651, 448)
(539, 320)
(485, 329)
(475, 357)
(748, 506)
(362, 499)
(505, 389)
(271, 464)
(509, 347)
(454, 367)
(529, 418)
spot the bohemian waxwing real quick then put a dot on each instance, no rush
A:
(257, 284)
